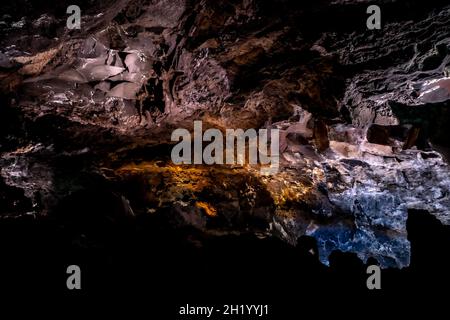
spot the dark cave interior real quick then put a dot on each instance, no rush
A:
(86, 117)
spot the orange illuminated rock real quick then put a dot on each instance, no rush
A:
(209, 210)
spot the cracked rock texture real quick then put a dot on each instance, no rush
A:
(363, 116)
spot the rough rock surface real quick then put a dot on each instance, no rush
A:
(363, 116)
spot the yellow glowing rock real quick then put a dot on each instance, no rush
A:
(209, 210)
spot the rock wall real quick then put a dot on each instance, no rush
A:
(362, 116)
